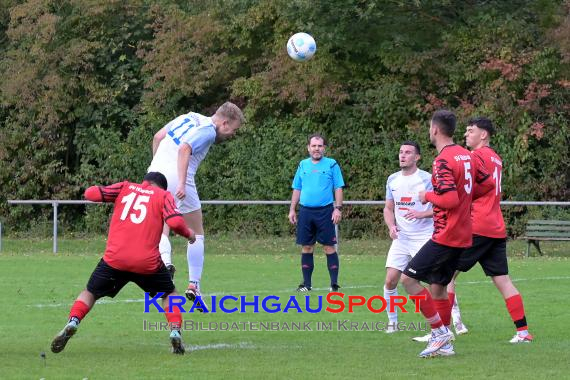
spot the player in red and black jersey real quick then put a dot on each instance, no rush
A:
(453, 177)
(132, 253)
(489, 247)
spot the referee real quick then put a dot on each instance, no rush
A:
(317, 183)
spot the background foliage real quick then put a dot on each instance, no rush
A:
(85, 84)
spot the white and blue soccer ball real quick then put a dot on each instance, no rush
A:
(301, 47)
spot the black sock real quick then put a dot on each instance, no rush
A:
(307, 265)
(333, 264)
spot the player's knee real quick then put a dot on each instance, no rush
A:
(500, 280)
(504, 284)
(406, 281)
(391, 283)
(438, 291)
(329, 249)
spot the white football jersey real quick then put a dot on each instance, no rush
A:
(404, 189)
(194, 129)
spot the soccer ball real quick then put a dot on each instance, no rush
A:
(301, 47)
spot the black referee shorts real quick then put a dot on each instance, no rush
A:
(491, 253)
(106, 281)
(315, 225)
(434, 263)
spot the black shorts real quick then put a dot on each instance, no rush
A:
(106, 281)
(434, 263)
(491, 253)
(315, 225)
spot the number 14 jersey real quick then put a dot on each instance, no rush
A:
(486, 211)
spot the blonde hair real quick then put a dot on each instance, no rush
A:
(230, 111)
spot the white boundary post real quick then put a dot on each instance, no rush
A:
(54, 204)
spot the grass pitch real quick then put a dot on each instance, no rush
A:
(38, 288)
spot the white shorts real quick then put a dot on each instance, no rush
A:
(402, 250)
(165, 162)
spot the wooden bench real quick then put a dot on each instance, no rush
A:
(537, 230)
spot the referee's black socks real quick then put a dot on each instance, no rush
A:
(307, 266)
(332, 264)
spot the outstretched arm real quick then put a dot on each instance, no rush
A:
(103, 193)
(93, 194)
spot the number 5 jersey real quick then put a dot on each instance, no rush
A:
(455, 171)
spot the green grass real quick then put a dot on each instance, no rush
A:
(111, 344)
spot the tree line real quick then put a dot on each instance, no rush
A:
(85, 84)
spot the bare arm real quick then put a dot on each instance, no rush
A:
(294, 202)
(183, 159)
(390, 218)
(158, 137)
(338, 199)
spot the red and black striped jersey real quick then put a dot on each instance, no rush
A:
(453, 173)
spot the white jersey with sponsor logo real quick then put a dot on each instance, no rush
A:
(404, 189)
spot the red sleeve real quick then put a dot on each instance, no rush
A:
(178, 225)
(173, 217)
(483, 181)
(483, 188)
(481, 172)
(444, 194)
(93, 194)
(103, 193)
(447, 200)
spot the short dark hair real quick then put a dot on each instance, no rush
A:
(483, 123)
(318, 136)
(446, 121)
(412, 143)
(157, 178)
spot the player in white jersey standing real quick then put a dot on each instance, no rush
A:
(410, 223)
(178, 148)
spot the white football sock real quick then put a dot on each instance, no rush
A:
(392, 317)
(455, 312)
(165, 249)
(195, 255)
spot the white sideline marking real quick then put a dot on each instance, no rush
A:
(219, 346)
(140, 300)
